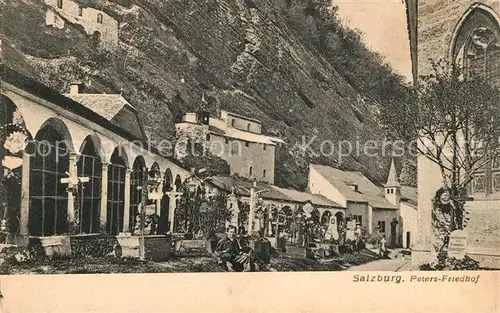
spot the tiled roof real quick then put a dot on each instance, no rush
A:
(303, 197)
(367, 190)
(242, 187)
(106, 105)
(219, 127)
(114, 108)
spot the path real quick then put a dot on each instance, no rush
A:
(381, 265)
(394, 264)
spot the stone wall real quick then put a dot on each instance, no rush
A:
(240, 157)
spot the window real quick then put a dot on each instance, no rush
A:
(247, 144)
(264, 173)
(248, 127)
(208, 137)
(48, 196)
(264, 146)
(80, 11)
(227, 141)
(59, 4)
(358, 219)
(381, 226)
(99, 18)
(89, 195)
(251, 170)
(233, 122)
(116, 194)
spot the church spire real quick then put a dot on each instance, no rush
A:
(392, 179)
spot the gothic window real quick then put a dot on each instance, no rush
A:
(248, 127)
(80, 11)
(264, 146)
(251, 171)
(59, 4)
(99, 18)
(136, 180)
(264, 173)
(476, 48)
(476, 45)
(48, 196)
(208, 137)
(89, 193)
(116, 194)
(233, 122)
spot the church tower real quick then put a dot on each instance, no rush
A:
(393, 187)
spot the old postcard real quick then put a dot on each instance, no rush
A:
(142, 141)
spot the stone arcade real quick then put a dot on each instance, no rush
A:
(95, 136)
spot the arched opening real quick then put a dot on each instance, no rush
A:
(233, 122)
(248, 127)
(88, 197)
(474, 44)
(99, 18)
(136, 181)
(49, 163)
(315, 216)
(325, 218)
(59, 4)
(298, 227)
(116, 193)
(163, 223)
(250, 171)
(475, 47)
(96, 38)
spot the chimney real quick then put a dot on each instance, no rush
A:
(75, 88)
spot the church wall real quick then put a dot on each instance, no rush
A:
(436, 22)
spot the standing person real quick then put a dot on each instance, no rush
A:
(382, 246)
(232, 254)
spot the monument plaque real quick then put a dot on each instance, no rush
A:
(457, 244)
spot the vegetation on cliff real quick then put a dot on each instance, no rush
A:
(289, 63)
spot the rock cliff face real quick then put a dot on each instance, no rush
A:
(240, 53)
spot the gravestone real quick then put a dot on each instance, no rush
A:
(56, 246)
(457, 244)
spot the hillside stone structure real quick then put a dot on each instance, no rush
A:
(102, 27)
(236, 139)
(467, 34)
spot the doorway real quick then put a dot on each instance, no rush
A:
(408, 241)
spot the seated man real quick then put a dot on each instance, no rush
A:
(233, 255)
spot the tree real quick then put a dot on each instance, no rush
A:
(454, 123)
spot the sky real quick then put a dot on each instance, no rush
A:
(383, 24)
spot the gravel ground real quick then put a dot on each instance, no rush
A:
(280, 262)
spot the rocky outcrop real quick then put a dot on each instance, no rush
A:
(240, 53)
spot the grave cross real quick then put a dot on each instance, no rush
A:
(74, 181)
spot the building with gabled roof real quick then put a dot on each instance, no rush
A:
(376, 209)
